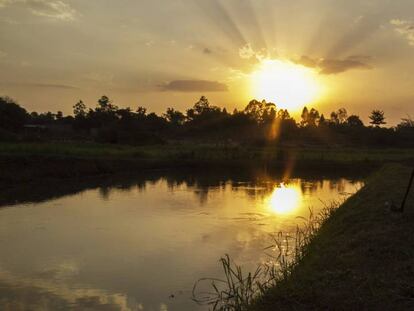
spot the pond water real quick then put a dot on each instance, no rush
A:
(141, 243)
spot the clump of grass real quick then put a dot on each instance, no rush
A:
(238, 290)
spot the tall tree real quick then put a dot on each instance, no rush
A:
(283, 114)
(260, 111)
(106, 105)
(304, 116)
(79, 109)
(309, 117)
(339, 117)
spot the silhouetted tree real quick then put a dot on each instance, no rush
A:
(261, 111)
(79, 109)
(174, 117)
(304, 116)
(141, 111)
(203, 111)
(105, 105)
(322, 120)
(354, 121)
(309, 117)
(406, 123)
(313, 117)
(202, 105)
(342, 115)
(377, 118)
(339, 117)
(283, 114)
(59, 115)
(12, 116)
(259, 123)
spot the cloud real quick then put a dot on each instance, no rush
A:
(207, 51)
(41, 85)
(194, 86)
(334, 66)
(54, 86)
(405, 29)
(329, 66)
(247, 52)
(53, 9)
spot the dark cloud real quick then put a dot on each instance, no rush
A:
(307, 61)
(194, 86)
(207, 51)
(334, 66)
(329, 66)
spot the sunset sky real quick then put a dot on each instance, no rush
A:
(357, 54)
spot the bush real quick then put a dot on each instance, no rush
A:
(12, 116)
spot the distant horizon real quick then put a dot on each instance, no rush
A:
(294, 114)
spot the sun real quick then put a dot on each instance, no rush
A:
(288, 85)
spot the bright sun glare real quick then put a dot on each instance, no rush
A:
(285, 199)
(288, 85)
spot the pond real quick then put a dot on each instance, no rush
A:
(140, 243)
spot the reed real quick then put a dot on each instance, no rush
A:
(237, 290)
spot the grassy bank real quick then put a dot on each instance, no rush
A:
(361, 259)
(26, 162)
(190, 151)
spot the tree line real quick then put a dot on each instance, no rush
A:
(259, 123)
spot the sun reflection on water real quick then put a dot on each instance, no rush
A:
(285, 199)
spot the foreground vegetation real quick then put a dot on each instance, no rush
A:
(238, 290)
(361, 258)
(355, 257)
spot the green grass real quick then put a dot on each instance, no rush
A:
(189, 151)
(362, 257)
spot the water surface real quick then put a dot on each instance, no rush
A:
(140, 244)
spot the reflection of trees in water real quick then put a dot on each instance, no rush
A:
(104, 192)
(256, 184)
(253, 182)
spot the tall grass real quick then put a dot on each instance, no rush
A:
(238, 290)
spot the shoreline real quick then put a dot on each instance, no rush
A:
(30, 162)
(362, 256)
(21, 169)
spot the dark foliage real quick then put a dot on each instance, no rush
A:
(260, 123)
(12, 116)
